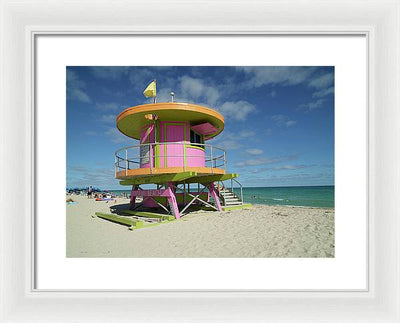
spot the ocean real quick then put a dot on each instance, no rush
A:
(311, 196)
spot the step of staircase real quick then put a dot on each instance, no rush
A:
(233, 203)
(232, 199)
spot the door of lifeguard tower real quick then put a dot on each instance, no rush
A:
(173, 134)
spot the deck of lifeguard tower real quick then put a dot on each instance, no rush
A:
(172, 154)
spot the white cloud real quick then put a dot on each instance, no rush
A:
(251, 162)
(291, 167)
(229, 144)
(109, 72)
(254, 151)
(197, 89)
(108, 118)
(246, 133)
(270, 75)
(164, 95)
(76, 88)
(236, 110)
(279, 168)
(81, 176)
(312, 105)
(265, 161)
(115, 135)
(258, 76)
(322, 81)
(141, 77)
(323, 92)
(290, 123)
(110, 106)
(283, 120)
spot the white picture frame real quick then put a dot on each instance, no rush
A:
(22, 21)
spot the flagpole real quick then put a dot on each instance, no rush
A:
(155, 97)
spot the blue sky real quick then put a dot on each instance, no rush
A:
(279, 121)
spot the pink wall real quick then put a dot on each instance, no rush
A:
(175, 132)
(175, 153)
(195, 157)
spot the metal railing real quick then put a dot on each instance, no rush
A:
(150, 155)
(240, 186)
(222, 186)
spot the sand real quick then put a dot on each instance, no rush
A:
(258, 231)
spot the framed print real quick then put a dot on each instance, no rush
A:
(314, 248)
(200, 161)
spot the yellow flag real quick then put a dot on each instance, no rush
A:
(150, 91)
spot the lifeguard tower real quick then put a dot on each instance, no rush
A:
(173, 155)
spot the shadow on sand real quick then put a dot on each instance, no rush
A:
(120, 208)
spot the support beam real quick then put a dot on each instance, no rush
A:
(211, 178)
(172, 201)
(159, 179)
(151, 193)
(197, 197)
(133, 197)
(158, 203)
(214, 194)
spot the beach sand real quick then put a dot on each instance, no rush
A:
(257, 231)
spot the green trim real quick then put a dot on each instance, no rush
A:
(211, 178)
(236, 207)
(184, 144)
(157, 153)
(165, 146)
(119, 219)
(159, 179)
(196, 147)
(145, 226)
(157, 145)
(133, 224)
(151, 215)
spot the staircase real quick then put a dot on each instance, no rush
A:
(229, 198)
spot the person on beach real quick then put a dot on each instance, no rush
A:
(89, 192)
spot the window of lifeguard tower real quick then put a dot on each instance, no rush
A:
(196, 139)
